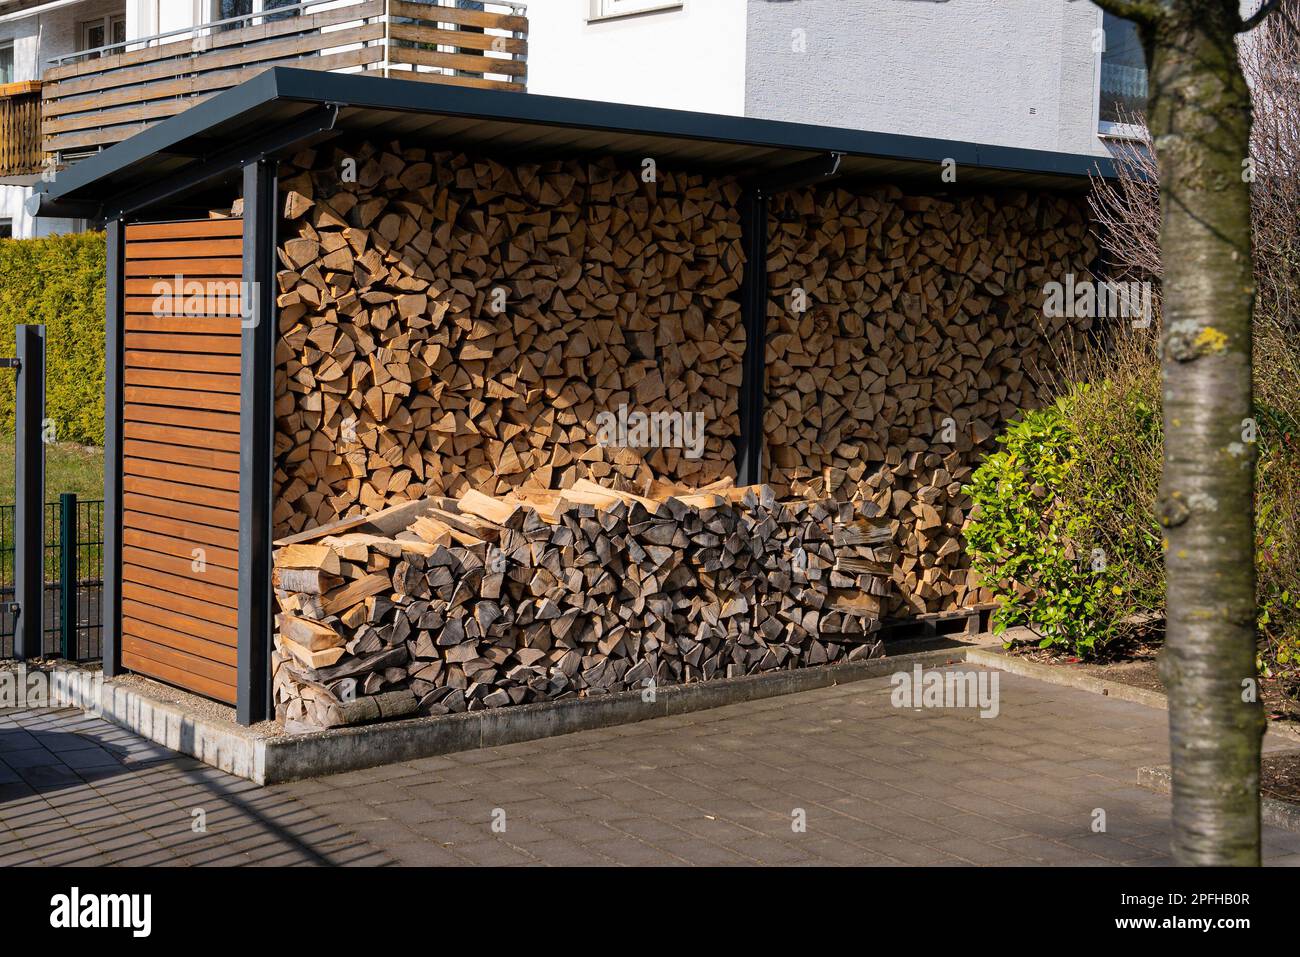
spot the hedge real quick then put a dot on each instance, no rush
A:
(58, 282)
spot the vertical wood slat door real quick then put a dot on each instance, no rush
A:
(180, 453)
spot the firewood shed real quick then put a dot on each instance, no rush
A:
(330, 294)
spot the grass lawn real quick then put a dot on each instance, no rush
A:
(68, 468)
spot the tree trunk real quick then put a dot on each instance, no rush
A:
(1200, 118)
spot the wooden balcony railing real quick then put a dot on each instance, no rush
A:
(20, 128)
(98, 97)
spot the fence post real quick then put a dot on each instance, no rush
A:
(29, 493)
(68, 574)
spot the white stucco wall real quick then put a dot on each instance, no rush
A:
(1007, 72)
(692, 58)
(36, 39)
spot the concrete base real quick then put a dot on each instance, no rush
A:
(270, 759)
(1283, 814)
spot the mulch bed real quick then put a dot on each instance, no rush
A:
(1280, 776)
(1132, 661)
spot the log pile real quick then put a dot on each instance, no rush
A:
(449, 323)
(445, 605)
(903, 331)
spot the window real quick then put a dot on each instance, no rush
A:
(1123, 75)
(605, 9)
(6, 63)
(6, 229)
(101, 32)
(226, 9)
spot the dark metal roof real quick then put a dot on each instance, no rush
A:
(534, 125)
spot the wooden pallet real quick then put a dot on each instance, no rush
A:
(961, 621)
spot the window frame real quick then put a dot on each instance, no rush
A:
(107, 23)
(258, 9)
(1109, 128)
(7, 223)
(601, 10)
(7, 46)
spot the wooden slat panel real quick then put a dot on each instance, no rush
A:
(211, 61)
(201, 325)
(473, 18)
(183, 398)
(163, 653)
(198, 534)
(207, 650)
(183, 229)
(189, 268)
(198, 84)
(460, 61)
(181, 492)
(151, 286)
(211, 461)
(136, 603)
(106, 100)
(172, 597)
(183, 361)
(199, 381)
(186, 248)
(222, 691)
(185, 474)
(216, 308)
(180, 483)
(160, 342)
(220, 40)
(477, 83)
(164, 508)
(225, 558)
(223, 581)
(458, 38)
(193, 597)
(196, 439)
(161, 415)
(368, 58)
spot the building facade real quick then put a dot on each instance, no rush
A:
(1036, 74)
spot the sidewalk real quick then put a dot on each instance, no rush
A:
(876, 785)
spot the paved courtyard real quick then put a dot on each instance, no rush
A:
(833, 776)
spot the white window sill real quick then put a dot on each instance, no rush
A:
(629, 14)
(1119, 131)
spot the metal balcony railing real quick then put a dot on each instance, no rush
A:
(94, 98)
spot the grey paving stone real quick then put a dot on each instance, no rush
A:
(879, 786)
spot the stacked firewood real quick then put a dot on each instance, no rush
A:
(451, 323)
(903, 332)
(444, 605)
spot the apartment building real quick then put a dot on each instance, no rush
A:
(77, 76)
(1058, 75)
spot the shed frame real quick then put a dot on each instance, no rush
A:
(198, 159)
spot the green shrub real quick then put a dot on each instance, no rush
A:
(1032, 543)
(1277, 544)
(58, 282)
(1064, 528)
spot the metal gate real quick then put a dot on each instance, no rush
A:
(73, 567)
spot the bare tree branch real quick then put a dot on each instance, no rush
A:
(1256, 18)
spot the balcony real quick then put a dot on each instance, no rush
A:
(20, 129)
(95, 98)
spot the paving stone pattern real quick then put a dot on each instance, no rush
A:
(874, 784)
